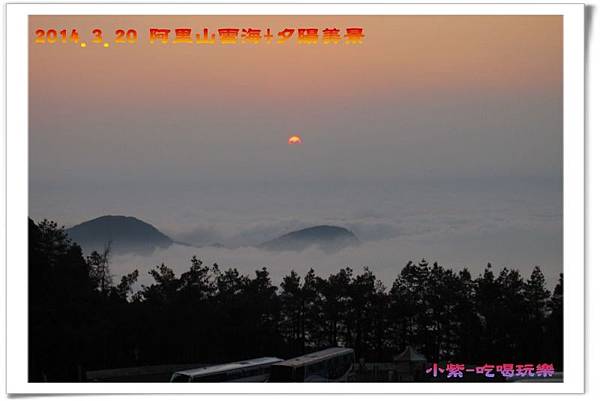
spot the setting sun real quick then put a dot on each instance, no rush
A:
(294, 140)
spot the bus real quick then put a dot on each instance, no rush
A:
(252, 370)
(329, 365)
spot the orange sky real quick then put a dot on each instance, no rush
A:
(422, 53)
(459, 89)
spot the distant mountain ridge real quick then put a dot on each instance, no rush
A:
(125, 235)
(327, 238)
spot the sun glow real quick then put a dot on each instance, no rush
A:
(294, 140)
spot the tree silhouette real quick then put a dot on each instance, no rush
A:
(99, 265)
(79, 320)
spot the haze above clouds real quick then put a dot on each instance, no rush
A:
(437, 138)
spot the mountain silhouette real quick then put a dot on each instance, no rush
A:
(125, 235)
(328, 238)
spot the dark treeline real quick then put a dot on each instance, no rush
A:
(79, 319)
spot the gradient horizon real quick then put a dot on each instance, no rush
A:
(438, 135)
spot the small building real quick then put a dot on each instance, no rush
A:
(410, 364)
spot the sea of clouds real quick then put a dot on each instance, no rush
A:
(512, 223)
(457, 233)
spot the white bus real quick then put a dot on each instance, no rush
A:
(328, 365)
(252, 370)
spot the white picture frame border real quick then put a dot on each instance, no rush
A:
(17, 181)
